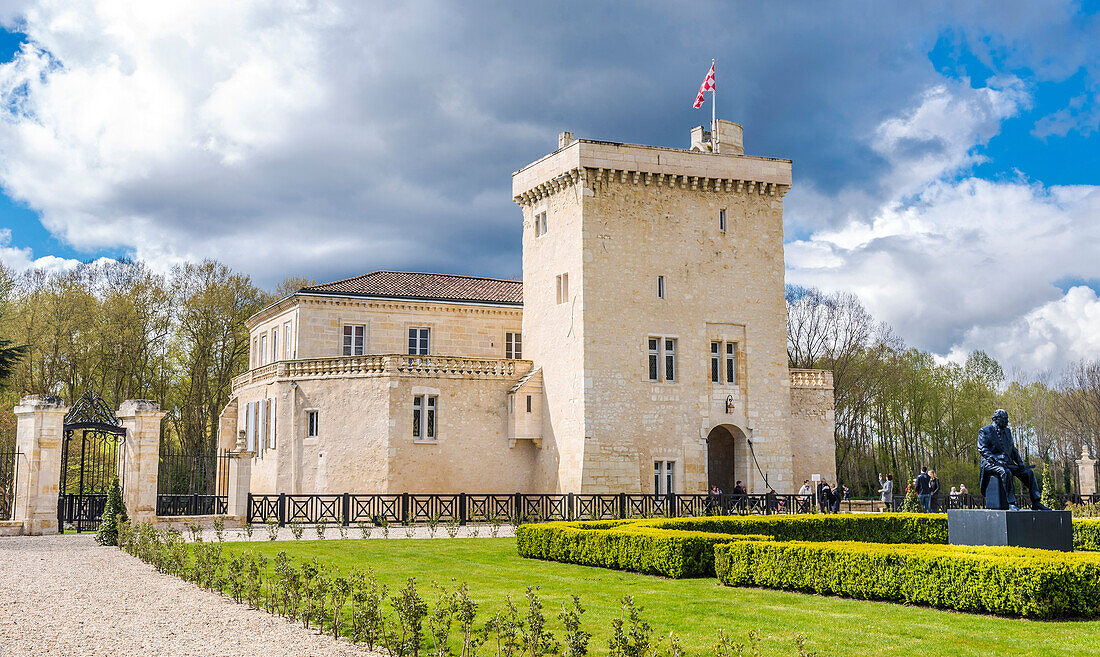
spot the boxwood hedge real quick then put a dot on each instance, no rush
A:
(1007, 581)
(870, 528)
(1086, 533)
(627, 546)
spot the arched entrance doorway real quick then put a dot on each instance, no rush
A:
(722, 470)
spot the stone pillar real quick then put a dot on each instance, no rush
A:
(140, 457)
(40, 422)
(240, 479)
(1086, 472)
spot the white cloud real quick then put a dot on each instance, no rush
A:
(22, 259)
(961, 262)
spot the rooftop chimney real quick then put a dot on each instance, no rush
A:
(564, 139)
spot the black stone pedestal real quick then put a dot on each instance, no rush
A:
(1047, 530)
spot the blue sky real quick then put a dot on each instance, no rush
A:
(946, 155)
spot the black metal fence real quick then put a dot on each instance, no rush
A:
(412, 508)
(192, 484)
(9, 475)
(963, 501)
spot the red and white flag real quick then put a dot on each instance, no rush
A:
(708, 85)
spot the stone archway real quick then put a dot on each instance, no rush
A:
(723, 468)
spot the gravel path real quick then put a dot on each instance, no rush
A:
(65, 595)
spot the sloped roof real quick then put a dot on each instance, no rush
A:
(427, 287)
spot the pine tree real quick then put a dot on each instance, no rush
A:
(1048, 499)
(114, 514)
(912, 503)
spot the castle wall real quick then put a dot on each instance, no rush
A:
(725, 286)
(813, 442)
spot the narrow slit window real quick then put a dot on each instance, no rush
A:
(660, 287)
(274, 344)
(528, 403)
(313, 422)
(722, 220)
(263, 349)
(287, 352)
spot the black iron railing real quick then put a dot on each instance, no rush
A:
(412, 508)
(9, 476)
(192, 484)
(81, 511)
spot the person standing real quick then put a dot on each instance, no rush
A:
(934, 489)
(924, 493)
(886, 492)
(823, 496)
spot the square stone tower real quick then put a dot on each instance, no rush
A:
(653, 302)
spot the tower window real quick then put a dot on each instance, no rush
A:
(654, 358)
(563, 288)
(424, 420)
(731, 362)
(715, 364)
(722, 220)
(664, 482)
(540, 224)
(660, 287)
(313, 425)
(670, 359)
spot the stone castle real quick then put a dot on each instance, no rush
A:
(644, 350)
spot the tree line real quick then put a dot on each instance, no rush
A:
(898, 408)
(127, 332)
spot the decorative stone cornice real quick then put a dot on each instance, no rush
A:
(593, 177)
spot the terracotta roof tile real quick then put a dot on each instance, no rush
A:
(429, 287)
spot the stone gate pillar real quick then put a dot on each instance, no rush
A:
(1086, 472)
(140, 457)
(40, 422)
(240, 479)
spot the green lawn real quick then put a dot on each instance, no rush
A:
(694, 608)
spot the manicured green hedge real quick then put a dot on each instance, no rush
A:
(668, 552)
(1086, 533)
(1007, 581)
(870, 528)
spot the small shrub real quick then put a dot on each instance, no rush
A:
(195, 530)
(452, 527)
(1048, 498)
(272, 529)
(296, 530)
(473, 531)
(219, 528)
(410, 529)
(576, 639)
(338, 597)
(911, 504)
(320, 529)
(367, 618)
(365, 529)
(537, 640)
(247, 531)
(411, 610)
(506, 627)
(495, 523)
(343, 531)
(440, 620)
(630, 635)
(465, 614)
(384, 523)
(114, 514)
(433, 524)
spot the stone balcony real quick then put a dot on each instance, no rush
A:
(819, 379)
(386, 365)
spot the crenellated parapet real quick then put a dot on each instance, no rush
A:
(591, 164)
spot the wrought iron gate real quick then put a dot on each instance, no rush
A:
(9, 475)
(90, 460)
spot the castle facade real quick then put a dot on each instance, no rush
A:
(644, 350)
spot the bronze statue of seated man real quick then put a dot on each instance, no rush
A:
(1000, 462)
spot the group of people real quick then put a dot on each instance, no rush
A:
(829, 496)
(927, 486)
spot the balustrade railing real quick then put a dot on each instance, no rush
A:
(811, 378)
(386, 365)
(415, 508)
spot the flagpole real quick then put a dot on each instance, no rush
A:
(713, 113)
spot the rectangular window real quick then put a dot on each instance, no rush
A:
(664, 479)
(731, 362)
(528, 403)
(249, 427)
(563, 288)
(313, 425)
(419, 339)
(354, 339)
(715, 365)
(255, 352)
(654, 358)
(263, 349)
(287, 352)
(660, 287)
(513, 345)
(261, 434)
(670, 359)
(540, 224)
(424, 417)
(274, 344)
(271, 424)
(722, 220)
